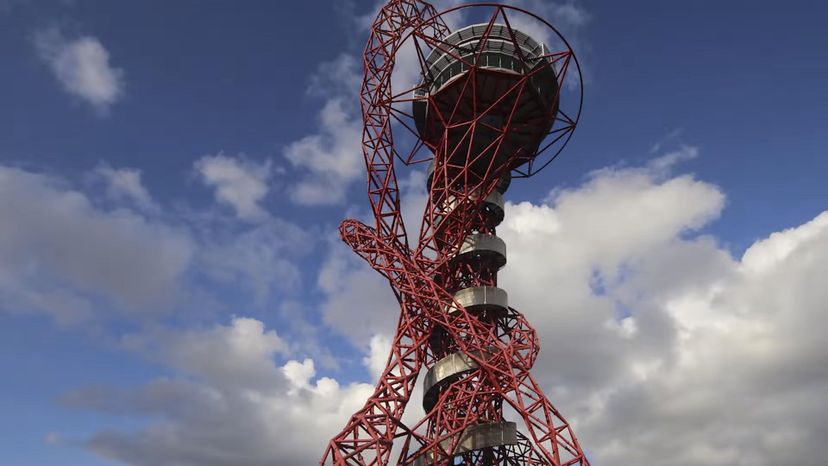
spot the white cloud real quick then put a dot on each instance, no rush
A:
(662, 347)
(778, 247)
(567, 257)
(67, 254)
(375, 361)
(330, 159)
(238, 183)
(666, 162)
(744, 352)
(237, 407)
(82, 67)
(358, 301)
(657, 343)
(58, 252)
(238, 356)
(125, 183)
(346, 280)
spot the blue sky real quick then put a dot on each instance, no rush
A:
(173, 174)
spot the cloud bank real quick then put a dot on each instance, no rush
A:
(659, 344)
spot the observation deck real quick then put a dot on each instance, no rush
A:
(484, 82)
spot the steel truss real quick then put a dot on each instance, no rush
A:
(487, 350)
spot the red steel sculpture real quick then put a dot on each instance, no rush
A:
(489, 101)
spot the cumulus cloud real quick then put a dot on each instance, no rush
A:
(125, 184)
(79, 256)
(358, 301)
(663, 347)
(82, 67)
(247, 350)
(375, 361)
(330, 159)
(233, 404)
(743, 350)
(657, 342)
(568, 256)
(238, 183)
(59, 253)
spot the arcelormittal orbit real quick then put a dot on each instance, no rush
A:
(495, 99)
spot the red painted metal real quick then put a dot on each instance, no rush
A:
(423, 276)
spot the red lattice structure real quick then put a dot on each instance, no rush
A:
(492, 102)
